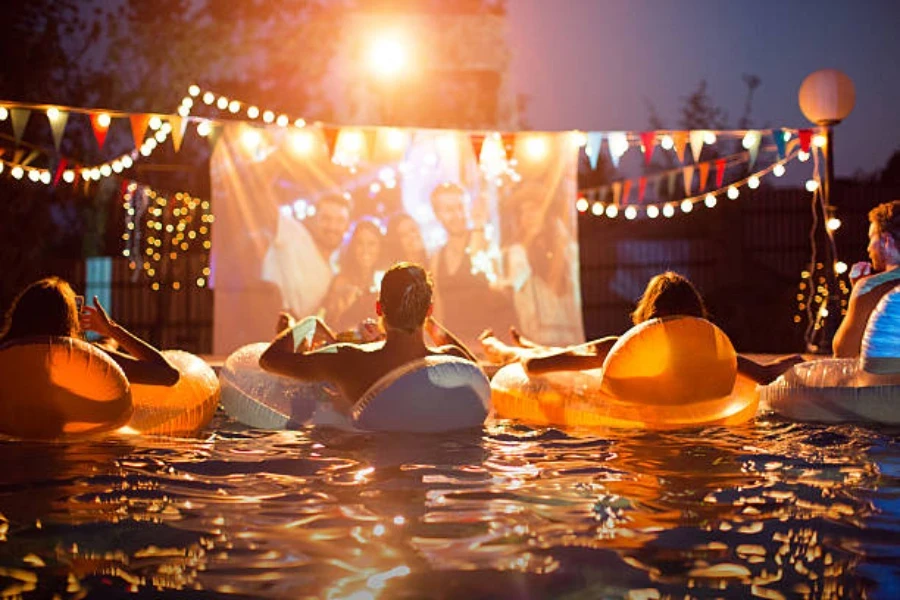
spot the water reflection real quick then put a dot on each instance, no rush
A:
(771, 510)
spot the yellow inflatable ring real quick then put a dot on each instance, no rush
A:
(178, 410)
(662, 374)
(60, 387)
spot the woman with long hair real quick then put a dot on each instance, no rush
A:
(403, 240)
(353, 290)
(49, 307)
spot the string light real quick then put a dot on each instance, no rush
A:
(597, 208)
(668, 211)
(652, 211)
(687, 206)
(733, 192)
(630, 213)
(612, 211)
(778, 170)
(581, 205)
(753, 182)
(710, 201)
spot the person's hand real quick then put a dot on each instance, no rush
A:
(860, 270)
(94, 318)
(285, 321)
(370, 331)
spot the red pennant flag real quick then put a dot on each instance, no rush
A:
(642, 188)
(60, 167)
(680, 139)
(509, 144)
(626, 190)
(720, 172)
(477, 140)
(331, 134)
(648, 141)
(139, 128)
(100, 129)
(704, 174)
(805, 136)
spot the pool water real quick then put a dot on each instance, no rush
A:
(770, 510)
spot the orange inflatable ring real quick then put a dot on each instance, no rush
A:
(60, 387)
(181, 409)
(662, 374)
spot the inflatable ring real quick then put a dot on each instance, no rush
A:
(179, 410)
(662, 374)
(57, 387)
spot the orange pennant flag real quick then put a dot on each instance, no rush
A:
(688, 172)
(680, 139)
(178, 125)
(626, 191)
(704, 174)
(139, 128)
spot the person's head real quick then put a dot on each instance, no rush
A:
(529, 207)
(405, 237)
(330, 222)
(405, 299)
(362, 250)
(667, 295)
(46, 307)
(448, 201)
(884, 233)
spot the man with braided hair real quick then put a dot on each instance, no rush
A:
(405, 307)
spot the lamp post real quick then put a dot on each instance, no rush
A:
(826, 98)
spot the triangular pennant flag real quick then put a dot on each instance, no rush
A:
(592, 148)
(477, 140)
(20, 118)
(753, 149)
(59, 171)
(805, 136)
(642, 188)
(704, 175)
(626, 191)
(602, 193)
(618, 145)
(58, 119)
(679, 141)
(178, 124)
(17, 157)
(780, 142)
(509, 144)
(648, 141)
(139, 125)
(31, 156)
(331, 134)
(673, 175)
(720, 172)
(696, 138)
(617, 192)
(688, 173)
(99, 128)
(215, 132)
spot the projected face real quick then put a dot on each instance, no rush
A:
(330, 225)
(410, 239)
(450, 210)
(366, 247)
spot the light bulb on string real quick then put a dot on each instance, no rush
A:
(194, 90)
(268, 116)
(597, 209)
(612, 211)
(819, 140)
(45, 177)
(753, 182)
(222, 103)
(833, 224)
(103, 119)
(709, 138)
(33, 175)
(4, 114)
(630, 213)
(652, 211)
(668, 211)
(667, 143)
(709, 201)
(69, 176)
(253, 112)
(733, 193)
(803, 156)
(687, 206)
(778, 170)
(812, 185)
(154, 123)
(581, 205)
(840, 267)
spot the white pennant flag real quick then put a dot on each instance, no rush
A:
(594, 139)
(696, 140)
(618, 145)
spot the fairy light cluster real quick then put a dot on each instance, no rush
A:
(171, 227)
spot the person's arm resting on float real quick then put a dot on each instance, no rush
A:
(291, 353)
(587, 356)
(848, 337)
(143, 363)
(449, 343)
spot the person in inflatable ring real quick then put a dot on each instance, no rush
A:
(405, 307)
(666, 295)
(49, 307)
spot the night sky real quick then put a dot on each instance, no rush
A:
(592, 64)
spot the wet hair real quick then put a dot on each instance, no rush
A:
(667, 295)
(886, 218)
(405, 296)
(443, 188)
(46, 307)
(350, 267)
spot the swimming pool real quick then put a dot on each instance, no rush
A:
(771, 510)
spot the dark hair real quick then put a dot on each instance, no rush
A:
(393, 250)
(350, 267)
(405, 296)
(336, 199)
(667, 295)
(46, 307)
(442, 188)
(886, 218)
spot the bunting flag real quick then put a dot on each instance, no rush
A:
(509, 144)
(19, 118)
(648, 141)
(720, 172)
(805, 136)
(617, 192)
(477, 140)
(704, 175)
(642, 188)
(688, 173)
(139, 124)
(60, 167)
(671, 187)
(331, 134)
(215, 132)
(592, 148)
(696, 137)
(58, 120)
(602, 193)
(679, 140)
(780, 143)
(753, 147)
(618, 145)
(17, 157)
(31, 156)
(626, 191)
(178, 124)
(100, 129)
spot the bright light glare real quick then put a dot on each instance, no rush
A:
(387, 56)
